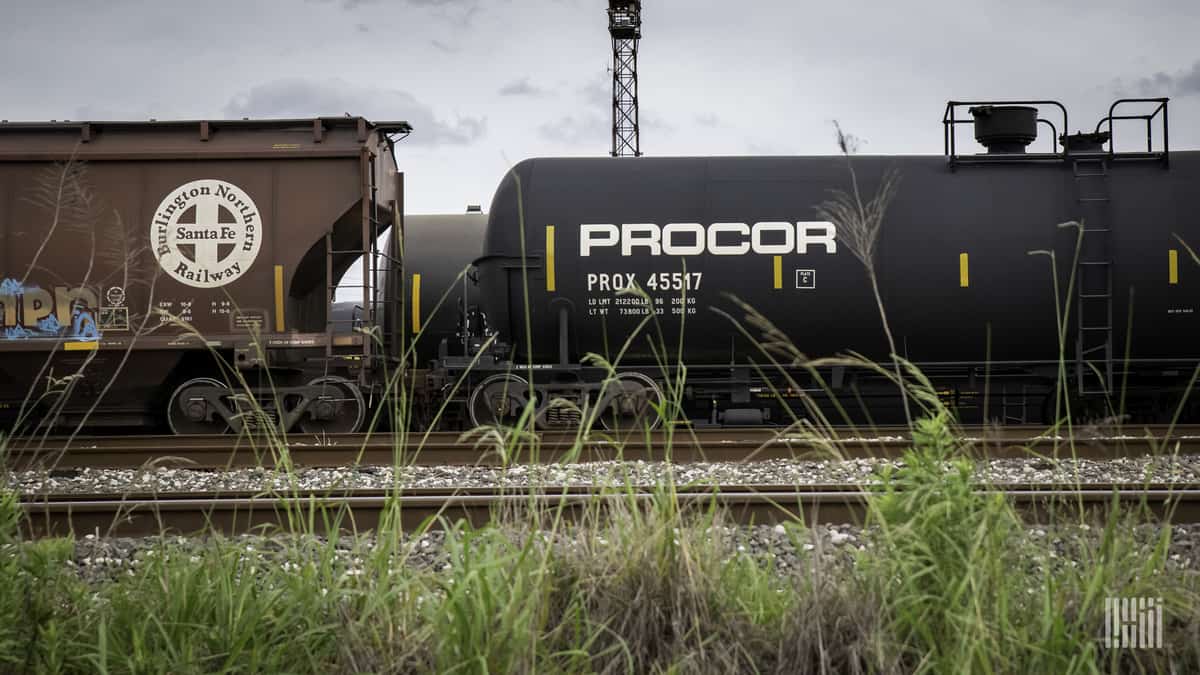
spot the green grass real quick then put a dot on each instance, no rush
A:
(948, 581)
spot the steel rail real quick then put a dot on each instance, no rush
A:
(139, 515)
(450, 448)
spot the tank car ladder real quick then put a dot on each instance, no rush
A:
(1094, 282)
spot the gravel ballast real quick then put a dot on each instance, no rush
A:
(1181, 469)
(787, 550)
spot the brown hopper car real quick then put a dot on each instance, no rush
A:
(182, 254)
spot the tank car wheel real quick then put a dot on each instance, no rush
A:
(338, 409)
(498, 400)
(190, 414)
(632, 403)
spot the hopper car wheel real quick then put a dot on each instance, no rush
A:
(632, 403)
(188, 413)
(498, 400)
(338, 409)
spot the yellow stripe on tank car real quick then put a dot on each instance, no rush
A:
(778, 264)
(416, 303)
(279, 298)
(1173, 267)
(964, 277)
(88, 346)
(551, 282)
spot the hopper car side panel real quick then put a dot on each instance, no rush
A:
(161, 238)
(112, 265)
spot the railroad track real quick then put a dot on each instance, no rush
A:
(452, 448)
(362, 510)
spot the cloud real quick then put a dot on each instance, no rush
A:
(1182, 83)
(598, 92)
(458, 12)
(756, 148)
(593, 126)
(442, 46)
(120, 110)
(578, 130)
(647, 120)
(709, 120)
(597, 95)
(300, 98)
(523, 87)
(351, 5)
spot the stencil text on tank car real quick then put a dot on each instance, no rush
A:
(206, 233)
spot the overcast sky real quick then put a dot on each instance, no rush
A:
(487, 83)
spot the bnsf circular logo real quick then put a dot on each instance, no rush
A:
(206, 233)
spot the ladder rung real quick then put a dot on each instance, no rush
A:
(1094, 199)
(1095, 262)
(1093, 296)
(1097, 229)
(1095, 328)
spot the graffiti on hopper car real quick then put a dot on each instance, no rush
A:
(29, 311)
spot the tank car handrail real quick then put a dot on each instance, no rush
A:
(1148, 117)
(1053, 133)
(949, 121)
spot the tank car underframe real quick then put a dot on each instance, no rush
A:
(724, 395)
(460, 390)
